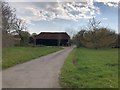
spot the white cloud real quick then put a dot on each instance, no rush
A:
(61, 10)
(110, 3)
(35, 11)
(107, 1)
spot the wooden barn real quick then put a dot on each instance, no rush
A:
(52, 39)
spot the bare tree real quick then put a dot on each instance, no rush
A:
(11, 24)
(96, 36)
(8, 17)
(19, 27)
(93, 24)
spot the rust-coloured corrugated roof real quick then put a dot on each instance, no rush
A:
(52, 35)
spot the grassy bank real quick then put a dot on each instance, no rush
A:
(88, 68)
(16, 55)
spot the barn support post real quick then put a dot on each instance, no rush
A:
(59, 42)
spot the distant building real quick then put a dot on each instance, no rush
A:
(52, 39)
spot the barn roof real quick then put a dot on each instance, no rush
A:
(52, 35)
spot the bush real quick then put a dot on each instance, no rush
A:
(99, 38)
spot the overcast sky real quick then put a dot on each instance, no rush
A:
(59, 16)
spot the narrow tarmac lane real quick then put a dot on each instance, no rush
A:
(42, 72)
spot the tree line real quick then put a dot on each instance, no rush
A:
(13, 25)
(96, 36)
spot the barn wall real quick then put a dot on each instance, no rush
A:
(51, 42)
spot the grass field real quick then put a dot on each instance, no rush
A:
(16, 55)
(89, 68)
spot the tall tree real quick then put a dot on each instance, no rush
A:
(8, 17)
(10, 22)
(96, 36)
(19, 27)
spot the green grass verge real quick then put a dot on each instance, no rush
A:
(16, 55)
(89, 68)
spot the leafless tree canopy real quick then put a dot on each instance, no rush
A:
(10, 22)
(8, 17)
(93, 24)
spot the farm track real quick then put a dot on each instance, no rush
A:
(42, 72)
